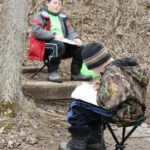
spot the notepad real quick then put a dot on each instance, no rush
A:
(64, 40)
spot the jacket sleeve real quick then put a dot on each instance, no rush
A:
(114, 88)
(38, 30)
(70, 31)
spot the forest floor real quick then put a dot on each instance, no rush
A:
(35, 133)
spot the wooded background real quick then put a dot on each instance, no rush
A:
(123, 26)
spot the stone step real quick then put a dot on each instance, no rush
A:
(33, 69)
(46, 90)
(40, 88)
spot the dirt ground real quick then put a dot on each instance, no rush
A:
(34, 134)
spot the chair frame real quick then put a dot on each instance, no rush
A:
(120, 145)
(54, 54)
(39, 70)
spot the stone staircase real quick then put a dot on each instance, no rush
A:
(40, 88)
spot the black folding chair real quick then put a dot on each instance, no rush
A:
(120, 144)
(54, 54)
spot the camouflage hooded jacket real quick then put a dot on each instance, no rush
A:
(122, 90)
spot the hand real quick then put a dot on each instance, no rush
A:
(96, 85)
(78, 42)
(59, 37)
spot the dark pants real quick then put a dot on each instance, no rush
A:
(81, 114)
(55, 51)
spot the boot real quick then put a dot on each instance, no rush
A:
(95, 140)
(54, 76)
(76, 75)
(80, 77)
(78, 140)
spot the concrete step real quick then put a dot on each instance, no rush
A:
(46, 90)
(40, 88)
(33, 69)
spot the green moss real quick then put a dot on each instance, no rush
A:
(34, 3)
(7, 109)
(7, 125)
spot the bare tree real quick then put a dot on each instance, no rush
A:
(12, 28)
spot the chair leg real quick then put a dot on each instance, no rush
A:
(120, 145)
(38, 71)
(112, 133)
(128, 135)
(45, 64)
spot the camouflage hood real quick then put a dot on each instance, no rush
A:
(132, 68)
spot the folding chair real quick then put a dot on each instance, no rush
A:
(49, 46)
(120, 144)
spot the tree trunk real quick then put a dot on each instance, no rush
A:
(12, 36)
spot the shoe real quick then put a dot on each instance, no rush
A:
(54, 76)
(80, 77)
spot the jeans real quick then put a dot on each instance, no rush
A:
(81, 114)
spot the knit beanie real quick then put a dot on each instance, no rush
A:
(94, 55)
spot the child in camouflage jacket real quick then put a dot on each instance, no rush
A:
(120, 93)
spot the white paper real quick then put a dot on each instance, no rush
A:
(68, 41)
(85, 92)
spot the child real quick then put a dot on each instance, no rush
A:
(49, 28)
(121, 90)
